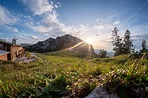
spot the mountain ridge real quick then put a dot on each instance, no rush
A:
(65, 42)
(55, 44)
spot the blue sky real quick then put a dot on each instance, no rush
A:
(36, 20)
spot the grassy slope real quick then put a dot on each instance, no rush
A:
(78, 75)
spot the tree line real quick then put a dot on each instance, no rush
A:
(123, 45)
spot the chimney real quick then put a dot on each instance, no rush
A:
(14, 40)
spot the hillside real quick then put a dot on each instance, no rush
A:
(73, 48)
(71, 76)
(57, 44)
(81, 50)
(69, 43)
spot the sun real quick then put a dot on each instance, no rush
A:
(89, 40)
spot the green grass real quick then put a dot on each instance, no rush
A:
(65, 74)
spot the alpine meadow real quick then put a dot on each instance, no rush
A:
(73, 49)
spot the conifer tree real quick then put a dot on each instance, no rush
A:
(117, 42)
(127, 43)
(143, 46)
(102, 53)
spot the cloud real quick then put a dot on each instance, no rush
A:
(6, 17)
(137, 40)
(35, 37)
(75, 29)
(53, 29)
(49, 22)
(141, 36)
(39, 28)
(32, 36)
(7, 20)
(116, 22)
(104, 26)
(38, 7)
(50, 25)
(12, 29)
(27, 37)
(100, 20)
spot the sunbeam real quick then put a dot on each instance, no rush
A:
(89, 40)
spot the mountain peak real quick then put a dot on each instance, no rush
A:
(55, 44)
(66, 42)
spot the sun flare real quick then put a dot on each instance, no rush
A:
(89, 40)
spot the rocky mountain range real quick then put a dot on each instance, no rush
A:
(67, 41)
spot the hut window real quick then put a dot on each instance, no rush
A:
(1, 45)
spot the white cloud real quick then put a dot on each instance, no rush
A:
(56, 6)
(6, 17)
(39, 28)
(46, 10)
(11, 29)
(50, 25)
(116, 22)
(26, 38)
(31, 36)
(100, 20)
(35, 37)
(104, 26)
(77, 30)
(7, 20)
(38, 7)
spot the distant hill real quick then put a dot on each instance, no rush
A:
(66, 42)
(25, 44)
(109, 54)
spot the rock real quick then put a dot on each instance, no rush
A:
(61, 43)
(57, 44)
(100, 92)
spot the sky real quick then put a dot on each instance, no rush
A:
(31, 21)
